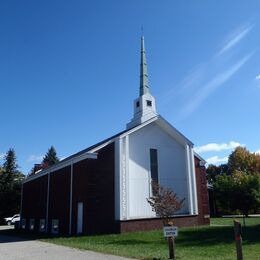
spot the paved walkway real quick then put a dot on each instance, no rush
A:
(14, 248)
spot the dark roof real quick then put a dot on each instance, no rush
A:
(94, 146)
(112, 137)
(199, 157)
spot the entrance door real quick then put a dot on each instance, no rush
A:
(80, 218)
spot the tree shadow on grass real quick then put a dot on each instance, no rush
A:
(129, 242)
(217, 235)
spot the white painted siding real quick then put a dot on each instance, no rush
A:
(171, 168)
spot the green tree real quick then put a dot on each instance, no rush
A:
(239, 191)
(10, 185)
(10, 166)
(213, 171)
(246, 192)
(244, 161)
(50, 157)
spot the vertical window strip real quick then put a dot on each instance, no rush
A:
(154, 168)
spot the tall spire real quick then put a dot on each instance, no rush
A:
(144, 84)
(144, 105)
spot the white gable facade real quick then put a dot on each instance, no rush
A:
(133, 169)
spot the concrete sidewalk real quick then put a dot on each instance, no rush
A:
(14, 248)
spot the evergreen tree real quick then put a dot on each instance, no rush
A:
(50, 157)
(10, 186)
(9, 167)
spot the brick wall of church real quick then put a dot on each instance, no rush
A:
(202, 193)
(93, 185)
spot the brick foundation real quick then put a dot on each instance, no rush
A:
(156, 223)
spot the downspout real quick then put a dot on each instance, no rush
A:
(47, 207)
(71, 192)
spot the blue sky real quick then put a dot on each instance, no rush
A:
(69, 71)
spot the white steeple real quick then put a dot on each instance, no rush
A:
(144, 105)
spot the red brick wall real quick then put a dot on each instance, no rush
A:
(93, 185)
(202, 193)
(59, 199)
(34, 199)
(156, 223)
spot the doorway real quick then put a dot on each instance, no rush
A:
(80, 218)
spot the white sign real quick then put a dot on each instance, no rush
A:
(170, 231)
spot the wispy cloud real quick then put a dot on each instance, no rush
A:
(216, 160)
(214, 147)
(213, 84)
(35, 158)
(235, 38)
(2, 155)
(208, 76)
(257, 77)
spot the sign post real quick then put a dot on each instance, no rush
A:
(171, 232)
(238, 238)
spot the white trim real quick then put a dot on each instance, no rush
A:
(71, 196)
(189, 187)
(117, 181)
(178, 136)
(136, 128)
(130, 131)
(194, 183)
(47, 204)
(123, 174)
(127, 175)
(62, 164)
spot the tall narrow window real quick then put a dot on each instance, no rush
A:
(42, 225)
(23, 223)
(55, 226)
(154, 168)
(31, 227)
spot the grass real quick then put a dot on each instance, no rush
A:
(210, 242)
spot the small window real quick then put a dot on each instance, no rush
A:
(154, 169)
(55, 226)
(149, 103)
(23, 223)
(32, 223)
(42, 225)
(137, 104)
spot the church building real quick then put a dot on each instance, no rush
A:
(104, 188)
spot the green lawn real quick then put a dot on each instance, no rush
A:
(214, 242)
